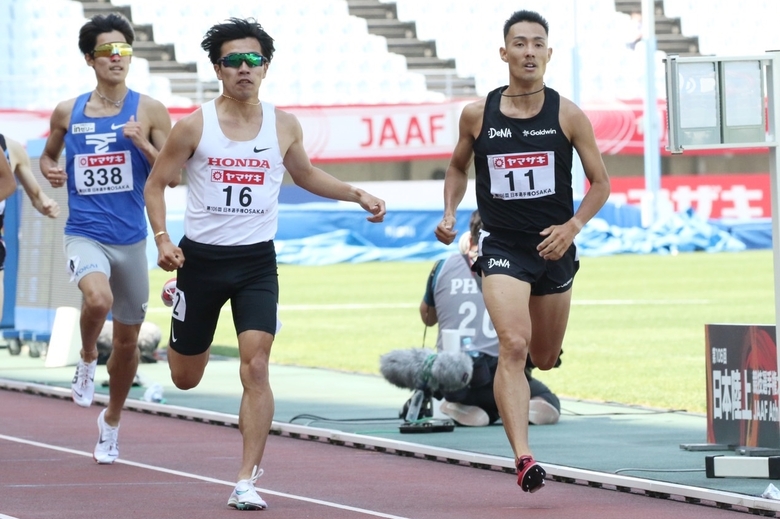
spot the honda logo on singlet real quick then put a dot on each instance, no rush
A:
(238, 163)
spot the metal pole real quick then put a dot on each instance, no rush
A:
(578, 174)
(673, 104)
(773, 112)
(650, 119)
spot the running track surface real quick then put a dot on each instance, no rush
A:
(182, 469)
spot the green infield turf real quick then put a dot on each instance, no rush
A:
(635, 336)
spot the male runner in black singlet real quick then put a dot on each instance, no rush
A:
(521, 138)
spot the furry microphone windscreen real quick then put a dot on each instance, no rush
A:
(419, 368)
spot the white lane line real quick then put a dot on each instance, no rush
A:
(605, 302)
(3, 516)
(391, 306)
(306, 308)
(348, 306)
(615, 302)
(200, 478)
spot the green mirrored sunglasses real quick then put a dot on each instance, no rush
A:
(252, 59)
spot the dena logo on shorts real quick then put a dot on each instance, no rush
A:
(503, 263)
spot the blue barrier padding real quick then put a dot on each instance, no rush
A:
(13, 211)
(31, 324)
(320, 233)
(755, 234)
(680, 232)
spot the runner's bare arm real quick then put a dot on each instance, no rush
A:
(315, 180)
(20, 163)
(7, 182)
(577, 126)
(58, 127)
(456, 177)
(154, 115)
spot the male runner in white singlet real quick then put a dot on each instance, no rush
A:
(236, 149)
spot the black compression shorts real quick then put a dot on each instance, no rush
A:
(519, 259)
(245, 275)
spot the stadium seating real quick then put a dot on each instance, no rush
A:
(323, 55)
(40, 63)
(326, 56)
(726, 28)
(473, 33)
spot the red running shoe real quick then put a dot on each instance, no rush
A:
(530, 475)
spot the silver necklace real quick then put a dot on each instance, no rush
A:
(115, 103)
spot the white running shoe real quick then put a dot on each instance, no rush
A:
(469, 415)
(107, 448)
(542, 412)
(82, 388)
(245, 496)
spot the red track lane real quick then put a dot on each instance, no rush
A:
(39, 481)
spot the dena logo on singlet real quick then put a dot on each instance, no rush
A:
(506, 133)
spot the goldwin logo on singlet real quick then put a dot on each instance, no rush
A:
(538, 133)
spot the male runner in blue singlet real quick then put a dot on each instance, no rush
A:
(111, 136)
(521, 138)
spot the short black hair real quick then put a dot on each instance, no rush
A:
(236, 29)
(526, 16)
(101, 23)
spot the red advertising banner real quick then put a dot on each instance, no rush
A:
(742, 386)
(401, 132)
(384, 132)
(738, 196)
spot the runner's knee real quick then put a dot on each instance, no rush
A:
(186, 376)
(514, 348)
(544, 360)
(254, 372)
(97, 303)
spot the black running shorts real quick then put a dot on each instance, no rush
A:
(212, 275)
(519, 259)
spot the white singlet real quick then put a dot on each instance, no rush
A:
(233, 196)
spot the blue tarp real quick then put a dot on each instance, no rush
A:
(682, 232)
(321, 233)
(755, 234)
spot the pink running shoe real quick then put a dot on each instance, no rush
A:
(530, 475)
(168, 292)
